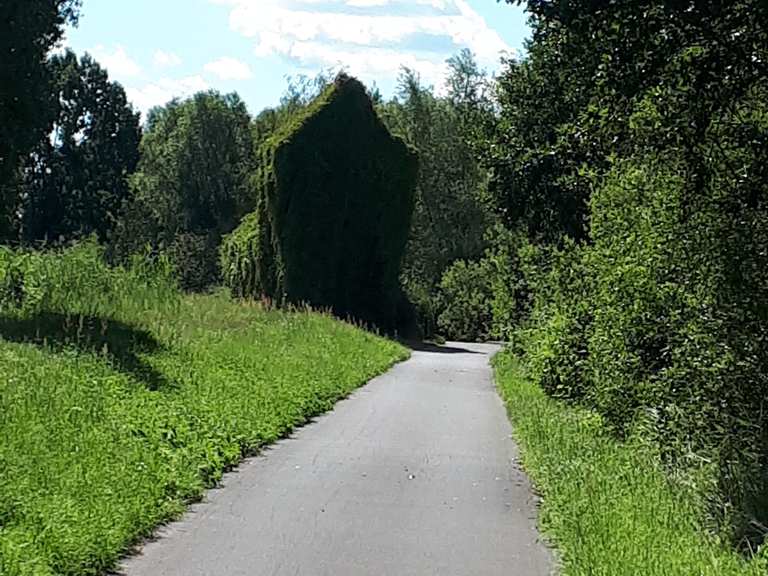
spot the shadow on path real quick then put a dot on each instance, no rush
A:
(437, 348)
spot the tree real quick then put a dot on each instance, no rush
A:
(451, 213)
(76, 181)
(534, 171)
(592, 66)
(470, 93)
(640, 128)
(192, 183)
(28, 30)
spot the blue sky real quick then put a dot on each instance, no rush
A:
(160, 49)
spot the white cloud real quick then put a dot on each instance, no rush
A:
(165, 59)
(164, 90)
(117, 62)
(229, 69)
(369, 38)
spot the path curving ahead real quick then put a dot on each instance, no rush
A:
(414, 475)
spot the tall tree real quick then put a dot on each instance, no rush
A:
(28, 30)
(593, 66)
(192, 183)
(76, 180)
(451, 215)
(470, 93)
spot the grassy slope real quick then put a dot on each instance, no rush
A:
(98, 446)
(607, 507)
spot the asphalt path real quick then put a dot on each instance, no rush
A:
(416, 474)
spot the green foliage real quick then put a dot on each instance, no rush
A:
(534, 171)
(77, 282)
(639, 129)
(681, 327)
(122, 400)
(466, 294)
(555, 337)
(606, 504)
(334, 202)
(196, 260)
(486, 298)
(299, 94)
(28, 30)
(570, 104)
(244, 268)
(451, 214)
(191, 186)
(76, 182)
(661, 325)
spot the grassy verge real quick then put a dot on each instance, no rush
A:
(121, 401)
(606, 506)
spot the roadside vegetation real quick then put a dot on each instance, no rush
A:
(628, 164)
(607, 505)
(122, 399)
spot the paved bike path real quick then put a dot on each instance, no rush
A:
(415, 474)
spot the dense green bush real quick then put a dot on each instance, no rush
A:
(196, 260)
(640, 130)
(486, 298)
(680, 334)
(605, 503)
(465, 299)
(241, 260)
(78, 282)
(334, 202)
(555, 334)
(660, 324)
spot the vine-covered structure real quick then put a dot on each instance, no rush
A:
(335, 196)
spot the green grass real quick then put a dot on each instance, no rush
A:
(606, 505)
(121, 401)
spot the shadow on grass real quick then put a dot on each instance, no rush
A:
(116, 341)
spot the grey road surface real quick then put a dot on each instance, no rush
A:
(414, 475)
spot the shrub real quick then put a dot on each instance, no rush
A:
(555, 335)
(482, 299)
(680, 329)
(511, 296)
(240, 259)
(195, 260)
(606, 504)
(465, 299)
(661, 322)
(335, 195)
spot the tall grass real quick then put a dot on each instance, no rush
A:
(76, 281)
(607, 505)
(121, 400)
